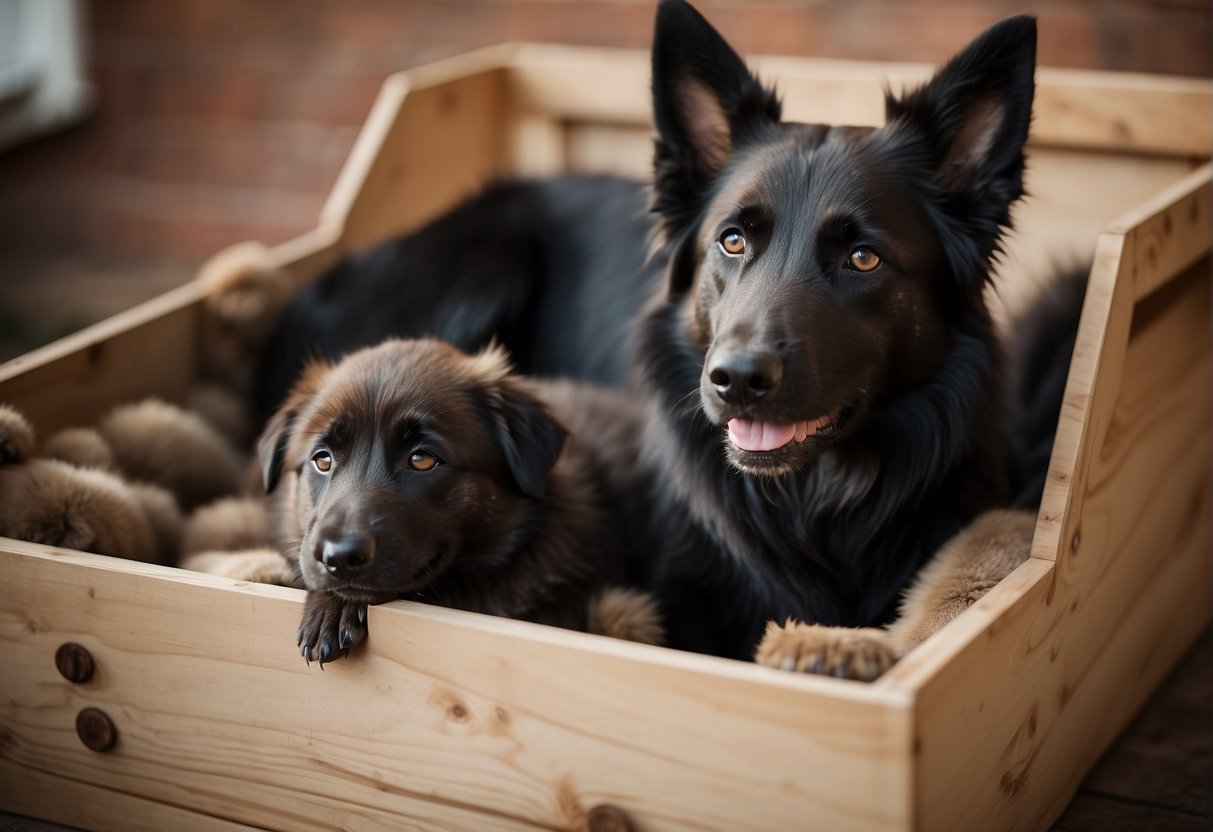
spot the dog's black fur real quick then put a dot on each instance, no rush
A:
(895, 365)
(854, 311)
(553, 270)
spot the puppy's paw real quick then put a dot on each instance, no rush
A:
(16, 436)
(845, 652)
(331, 627)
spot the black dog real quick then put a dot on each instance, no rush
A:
(814, 335)
(825, 315)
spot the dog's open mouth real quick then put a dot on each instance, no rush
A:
(754, 436)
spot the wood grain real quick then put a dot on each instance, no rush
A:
(434, 136)
(1103, 111)
(1021, 710)
(151, 348)
(452, 720)
(447, 720)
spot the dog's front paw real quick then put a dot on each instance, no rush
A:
(845, 652)
(331, 627)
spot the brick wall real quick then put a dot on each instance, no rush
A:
(226, 121)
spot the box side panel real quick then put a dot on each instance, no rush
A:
(427, 144)
(149, 349)
(1008, 726)
(1100, 111)
(29, 790)
(444, 716)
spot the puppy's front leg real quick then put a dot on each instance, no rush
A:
(964, 570)
(330, 628)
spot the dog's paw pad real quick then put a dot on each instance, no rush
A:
(844, 652)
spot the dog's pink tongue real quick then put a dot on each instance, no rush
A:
(760, 436)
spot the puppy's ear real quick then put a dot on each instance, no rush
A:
(529, 436)
(275, 438)
(974, 114)
(705, 103)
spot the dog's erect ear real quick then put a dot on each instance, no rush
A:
(705, 103)
(275, 438)
(529, 436)
(975, 113)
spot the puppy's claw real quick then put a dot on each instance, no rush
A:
(326, 654)
(362, 613)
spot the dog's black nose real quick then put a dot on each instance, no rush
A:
(745, 377)
(345, 555)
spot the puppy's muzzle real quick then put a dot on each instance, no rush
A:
(344, 556)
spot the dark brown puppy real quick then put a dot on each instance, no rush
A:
(412, 470)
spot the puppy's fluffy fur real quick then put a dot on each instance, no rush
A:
(962, 572)
(90, 509)
(117, 488)
(412, 470)
(153, 441)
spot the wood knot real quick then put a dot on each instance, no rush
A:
(95, 729)
(607, 818)
(74, 662)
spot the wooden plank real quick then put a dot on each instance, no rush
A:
(1120, 112)
(1123, 112)
(1171, 231)
(434, 136)
(445, 715)
(1072, 197)
(1018, 711)
(32, 790)
(73, 381)
(537, 146)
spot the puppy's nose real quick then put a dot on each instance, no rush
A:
(745, 377)
(345, 555)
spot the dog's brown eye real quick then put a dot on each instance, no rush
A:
(421, 461)
(732, 243)
(323, 461)
(864, 259)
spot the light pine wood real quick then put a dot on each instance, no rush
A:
(448, 720)
(433, 136)
(1169, 232)
(451, 720)
(1015, 707)
(1118, 112)
(150, 349)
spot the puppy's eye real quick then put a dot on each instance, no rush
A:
(732, 243)
(323, 461)
(422, 461)
(864, 259)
